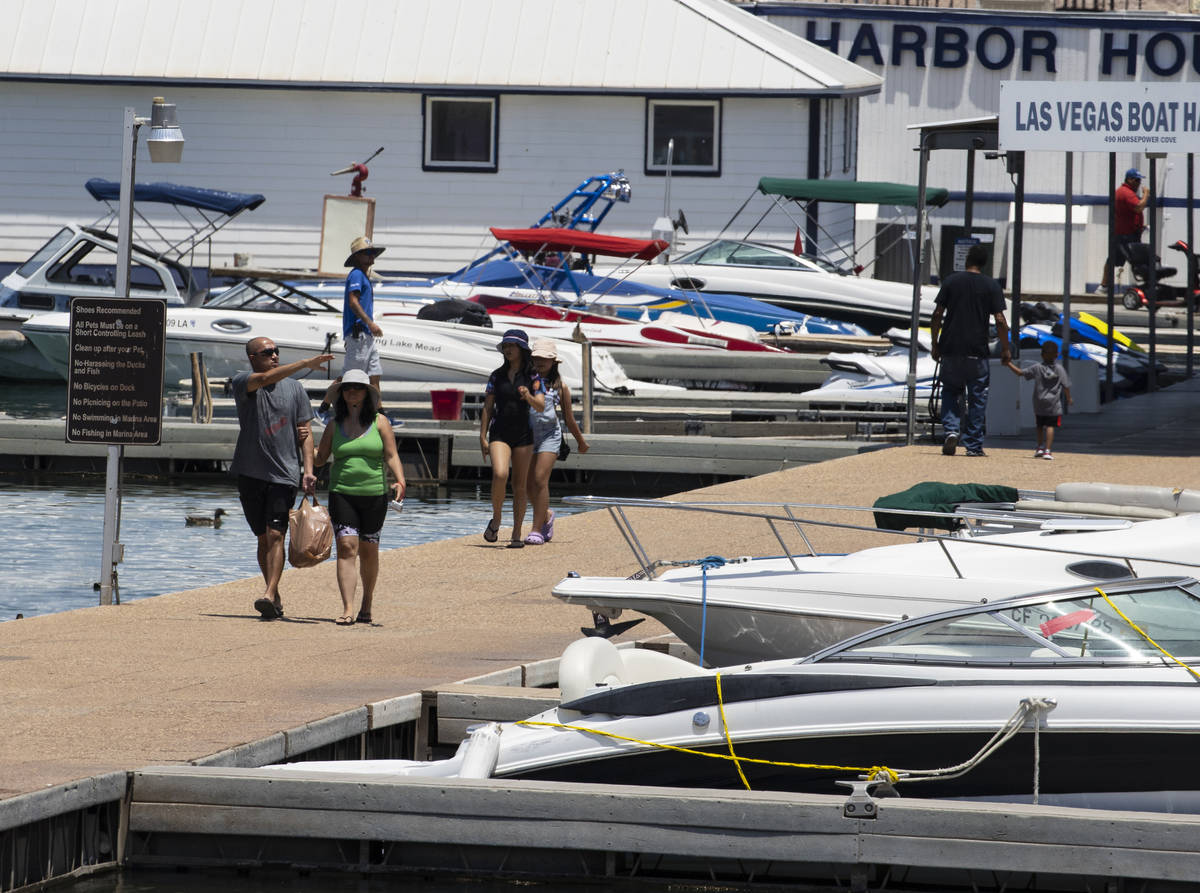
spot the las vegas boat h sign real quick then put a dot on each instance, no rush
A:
(1099, 117)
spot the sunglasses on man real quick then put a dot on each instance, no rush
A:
(266, 352)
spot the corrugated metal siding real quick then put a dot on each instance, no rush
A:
(627, 45)
(913, 95)
(284, 143)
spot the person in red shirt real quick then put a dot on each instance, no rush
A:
(1128, 223)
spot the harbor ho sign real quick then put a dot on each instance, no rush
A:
(1099, 117)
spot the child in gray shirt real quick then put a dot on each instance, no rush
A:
(1050, 385)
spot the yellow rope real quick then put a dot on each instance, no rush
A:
(872, 771)
(1143, 634)
(728, 737)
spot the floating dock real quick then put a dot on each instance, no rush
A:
(136, 732)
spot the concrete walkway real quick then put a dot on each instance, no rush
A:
(180, 676)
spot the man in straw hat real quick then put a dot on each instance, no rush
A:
(359, 329)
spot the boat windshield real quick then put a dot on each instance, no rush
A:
(1078, 625)
(263, 295)
(753, 254)
(43, 254)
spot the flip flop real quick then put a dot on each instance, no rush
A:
(363, 618)
(492, 532)
(548, 528)
(268, 609)
(516, 544)
(345, 620)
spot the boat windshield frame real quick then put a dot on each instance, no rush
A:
(288, 298)
(1076, 626)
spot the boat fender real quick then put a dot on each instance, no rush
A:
(481, 752)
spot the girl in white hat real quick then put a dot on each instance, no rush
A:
(547, 438)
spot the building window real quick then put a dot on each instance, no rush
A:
(460, 133)
(694, 125)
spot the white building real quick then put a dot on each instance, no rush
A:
(947, 64)
(489, 112)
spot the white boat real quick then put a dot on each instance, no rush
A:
(80, 262)
(410, 349)
(1085, 696)
(759, 608)
(789, 278)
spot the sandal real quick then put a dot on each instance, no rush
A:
(548, 529)
(492, 531)
(345, 620)
(516, 544)
(534, 539)
(363, 617)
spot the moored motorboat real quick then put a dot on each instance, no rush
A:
(410, 349)
(758, 608)
(1084, 696)
(790, 278)
(80, 261)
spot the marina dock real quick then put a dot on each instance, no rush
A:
(94, 698)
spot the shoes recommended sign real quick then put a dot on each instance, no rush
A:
(115, 380)
(1102, 116)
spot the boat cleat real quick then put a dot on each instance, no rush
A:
(860, 804)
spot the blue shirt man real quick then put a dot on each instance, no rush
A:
(359, 329)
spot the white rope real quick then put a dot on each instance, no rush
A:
(1035, 707)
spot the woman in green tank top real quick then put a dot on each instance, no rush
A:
(363, 448)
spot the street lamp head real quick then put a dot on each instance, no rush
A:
(166, 138)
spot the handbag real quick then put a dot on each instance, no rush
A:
(564, 448)
(310, 534)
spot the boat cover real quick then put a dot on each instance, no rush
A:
(173, 194)
(534, 241)
(934, 496)
(851, 191)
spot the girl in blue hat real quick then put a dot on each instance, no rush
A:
(505, 436)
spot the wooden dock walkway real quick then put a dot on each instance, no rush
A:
(90, 696)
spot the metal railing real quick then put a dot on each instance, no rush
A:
(976, 524)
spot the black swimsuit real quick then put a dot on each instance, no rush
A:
(510, 414)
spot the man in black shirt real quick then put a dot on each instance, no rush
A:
(959, 329)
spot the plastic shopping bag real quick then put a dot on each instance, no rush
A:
(310, 534)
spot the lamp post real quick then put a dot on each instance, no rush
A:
(165, 144)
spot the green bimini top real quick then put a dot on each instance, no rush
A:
(851, 191)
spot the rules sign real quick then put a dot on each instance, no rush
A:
(115, 379)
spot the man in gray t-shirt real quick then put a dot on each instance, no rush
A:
(274, 445)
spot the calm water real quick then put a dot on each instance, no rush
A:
(54, 531)
(54, 526)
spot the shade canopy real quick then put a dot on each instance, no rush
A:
(850, 191)
(534, 241)
(173, 194)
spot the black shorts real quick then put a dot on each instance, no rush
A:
(265, 504)
(1048, 421)
(361, 516)
(515, 432)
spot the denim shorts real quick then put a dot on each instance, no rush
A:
(546, 436)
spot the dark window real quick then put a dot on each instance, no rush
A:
(695, 128)
(460, 133)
